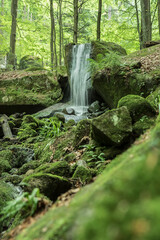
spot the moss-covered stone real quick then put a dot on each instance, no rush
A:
(5, 159)
(50, 185)
(137, 107)
(113, 128)
(29, 88)
(70, 157)
(30, 62)
(82, 130)
(82, 174)
(6, 193)
(154, 98)
(106, 47)
(139, 79)
(142, 125)
(122, 203)
(14, 179)
(60, 168)
(27, 166)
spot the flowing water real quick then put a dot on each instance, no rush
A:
(80, 77)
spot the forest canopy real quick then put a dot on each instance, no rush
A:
(43, 28)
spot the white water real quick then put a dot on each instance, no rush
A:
(80, 77)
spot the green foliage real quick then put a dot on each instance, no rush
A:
(49, 129)
(92, 158)
(26, 204)
(111, 61)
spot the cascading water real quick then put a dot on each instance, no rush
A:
(80, 76)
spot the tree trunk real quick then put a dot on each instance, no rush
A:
(75, 28)
(138, 24)
(158, 15)
(12, 58)
(60, 32)
(53, 37)
(2, 7)
(99, 20)
(146, 28)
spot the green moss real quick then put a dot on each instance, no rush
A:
(137, 106)
(70, 157)
(5, 160)
(106, 47)
(123, 202)
(82, 174)
(142, 125)
(50, 185)
(82, 130)
(27, 166)
(60, 168)
(113, 128)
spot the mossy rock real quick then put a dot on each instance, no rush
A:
(82, 174)
(14, 179)
(106, 47)
(5, 161)
(122, 203)
(113, 128)
(27, 166)
(137, 107)
(6, 193)
(49, 185)
(82, 130)
(60, 168)
(30, 62)
(142, 125)
(70, 157)
(37, 89)
(154, 98)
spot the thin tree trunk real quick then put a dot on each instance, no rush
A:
(12, 57)
(138, 24)
(159, 16)
(60, 32)
(53, 37)
(99, 20)
(146, 22)
(2, 7)
(75, 28)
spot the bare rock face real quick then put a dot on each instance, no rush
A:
(113, 128)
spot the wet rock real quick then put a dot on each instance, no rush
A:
(50, 185)
(113, 128)
(60, 116)
(137, 107)
(94, 107)
(69, 111)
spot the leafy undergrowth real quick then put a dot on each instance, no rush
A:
(123, 202)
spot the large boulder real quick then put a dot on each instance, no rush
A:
(50, 185)
(135, 74)
(113, 128)
(105, 47)
(20, 89)
(137, 107)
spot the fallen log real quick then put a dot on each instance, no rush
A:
(5, 127)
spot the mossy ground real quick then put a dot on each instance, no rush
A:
(123, 203)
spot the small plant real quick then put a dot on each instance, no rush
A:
(50, 128)
(26, 204)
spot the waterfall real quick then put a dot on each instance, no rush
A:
(80, 76)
